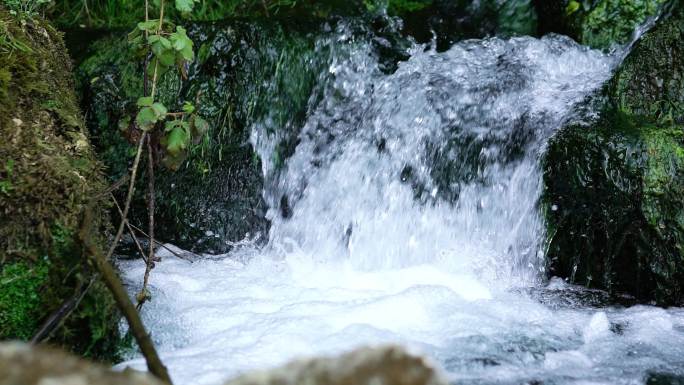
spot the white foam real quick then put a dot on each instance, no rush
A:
(434, 262)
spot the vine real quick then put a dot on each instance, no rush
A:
(166, 136)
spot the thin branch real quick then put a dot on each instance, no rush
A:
(56, 319)
(143, 295)
(138, 229)
(115, 186)
(127, 206)
(111, 279)
(130, 230)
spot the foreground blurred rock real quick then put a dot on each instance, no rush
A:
(22, 364)
(367, 366)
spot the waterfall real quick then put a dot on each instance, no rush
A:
(408, 214)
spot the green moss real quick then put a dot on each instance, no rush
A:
(597, 23)
(48, 175)
(126, 13)
(651, 79)
(613, 21)
(614, 203)
(617, 186)
(20, 298)
(402, 7)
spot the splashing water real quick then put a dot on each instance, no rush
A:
(408, 214)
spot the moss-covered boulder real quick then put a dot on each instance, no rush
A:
(614, 194)
(596, 23)
(48, 173)
(245, 73)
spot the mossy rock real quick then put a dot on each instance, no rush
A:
(450, 21)
(596, 23)
(244, 72)
(48, 175)
(614, 196)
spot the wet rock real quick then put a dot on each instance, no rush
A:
(598, 24)
(614, 196)
(244, 72)
(450, 21)
(22, 364)
(48, 174)
(367, 366)
(660, 378)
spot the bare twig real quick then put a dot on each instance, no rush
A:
(111, 279)
(130, 229)
(138, 229)
(63, 312)
(127, 205)
(115, 186)
(143, 295)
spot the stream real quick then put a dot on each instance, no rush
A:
(409, 214)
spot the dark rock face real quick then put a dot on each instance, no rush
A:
(451, 21)
(244, 72)
(48, 175)
(614, 197)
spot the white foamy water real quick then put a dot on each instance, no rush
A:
(412, 218)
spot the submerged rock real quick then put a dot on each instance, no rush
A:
(48, 174)
(22, 364)
(598, 24)
(614, 197)
(367, 366)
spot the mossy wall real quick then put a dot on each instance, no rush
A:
(48, 173)
(614, 197)
(596, 23)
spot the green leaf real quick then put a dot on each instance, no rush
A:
(199, 125)
(151, 26)
(146, 118)
(145, 101)
(182, 44)
(177, 140)
(188, 108)
(161, 47)
(159, 110)
(572, 7)
(167, 58)
(185, 5)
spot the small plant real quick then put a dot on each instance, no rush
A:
(6, 181)
(25, 8)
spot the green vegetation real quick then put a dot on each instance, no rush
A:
(20, 299)
(614, 198)
(596, 23)
(48, 175)
(126, 13)
(245, 72)
(24, 8)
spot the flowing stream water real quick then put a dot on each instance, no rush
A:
(409, 214)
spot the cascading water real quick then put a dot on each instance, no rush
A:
(408, 214)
